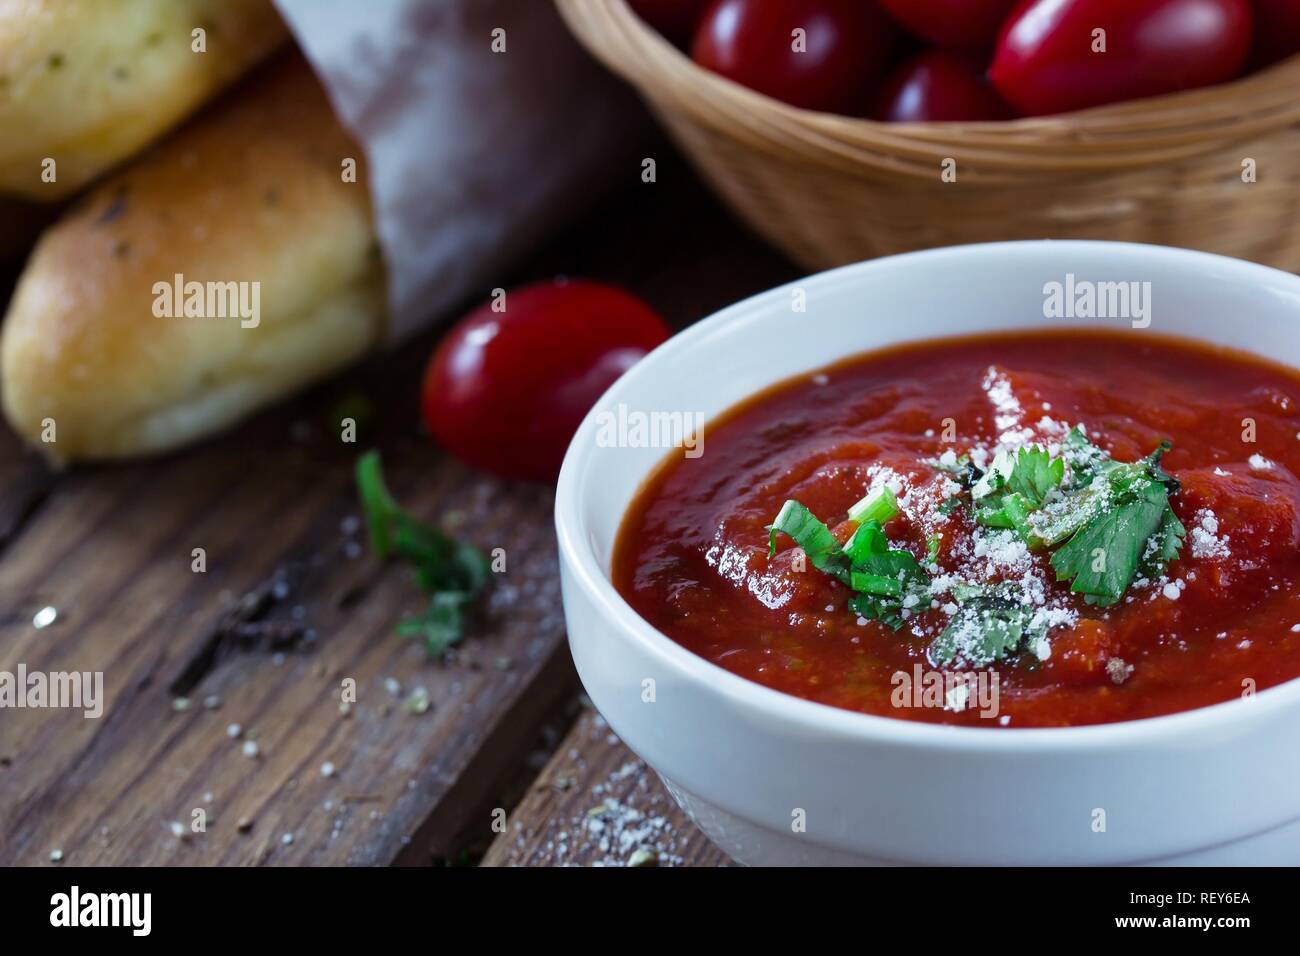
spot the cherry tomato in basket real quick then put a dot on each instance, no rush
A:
(1277, 29)
(843, 49)
(675, 19)
(509, 384)
(1049, 57)
(968, 24)
(936, 87)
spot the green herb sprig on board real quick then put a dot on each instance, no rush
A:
(451, 573)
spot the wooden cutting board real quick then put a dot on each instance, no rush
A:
(223, 687)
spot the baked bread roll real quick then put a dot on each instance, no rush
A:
(88, 83)
(248, 202)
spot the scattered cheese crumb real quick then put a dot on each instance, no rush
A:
(1259, 462)
(418, 702)
(1204, 537)
(1118, 670)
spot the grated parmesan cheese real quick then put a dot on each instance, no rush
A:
(1204, 537)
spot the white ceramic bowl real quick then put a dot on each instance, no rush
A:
(1216, 785)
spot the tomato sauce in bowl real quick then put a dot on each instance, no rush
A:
(1218, 620)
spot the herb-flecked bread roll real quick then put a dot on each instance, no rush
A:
(88, 83)
(116, 335)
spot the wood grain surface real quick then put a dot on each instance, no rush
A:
(290, 605)
(597, 804)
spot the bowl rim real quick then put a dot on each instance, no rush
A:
(812, 716)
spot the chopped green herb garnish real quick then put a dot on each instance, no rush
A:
(1126, 523)
(1083, 457)
(1106, 523)
(1163, 546)
(1015, 485)
(990, 624)
(1111, 520)
(880, 505)
(881, 577)
(964, 471)
(949, 505)
(450, 572)
(810, 534)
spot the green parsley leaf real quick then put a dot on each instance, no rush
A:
(980, 637)
(1122, 520)
(1016, 485)
(1101, 559)
(1084, 458)
(990, 625)
(1163, 546)
(452, 573)
(1035, 474)
(442, 623)
(1064, 516)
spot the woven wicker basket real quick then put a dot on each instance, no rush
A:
(830, 189)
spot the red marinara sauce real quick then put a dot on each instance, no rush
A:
(692, 559)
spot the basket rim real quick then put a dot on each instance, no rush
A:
(1119, 136)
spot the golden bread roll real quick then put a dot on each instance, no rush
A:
(88, 83)
(248, 205)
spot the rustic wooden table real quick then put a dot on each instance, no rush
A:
(223, 686)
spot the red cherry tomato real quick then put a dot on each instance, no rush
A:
(845, 48)
(505, 391)
(1277, 29)
(675, 19)
(1045, 61)
(938, 87)
(968, 24)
